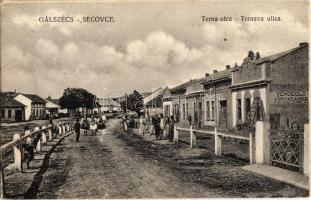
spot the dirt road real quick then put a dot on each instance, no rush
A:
(116, 165)
(105, 167)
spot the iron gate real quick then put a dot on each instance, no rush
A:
(287, 148)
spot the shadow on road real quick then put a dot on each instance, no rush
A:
(33, 190)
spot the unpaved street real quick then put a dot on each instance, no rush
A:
(116, 165)
(108, 168)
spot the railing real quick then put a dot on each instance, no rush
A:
(42, 135)
(218, 136)
(287, 148)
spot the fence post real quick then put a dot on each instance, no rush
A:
(306, 144)
(193, 138)
(38, 147)
(218, 141)
(59, 129)
(64, 128)
(2, 187)
(50, 134)
(28, 139)
(43, 136)
(17, 153)
(262, 141)
(175, 134)
(252, 149)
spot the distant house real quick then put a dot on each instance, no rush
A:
(111, 105)
(60, 110)
(11, 110)
(35, 105)
(154, 102)
(52, 109)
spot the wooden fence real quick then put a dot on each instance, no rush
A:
(16, 145)
(218, 137)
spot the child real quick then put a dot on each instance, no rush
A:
(93, 128)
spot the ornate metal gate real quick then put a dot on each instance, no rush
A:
(287, 148)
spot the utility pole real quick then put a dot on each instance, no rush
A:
(125, 103)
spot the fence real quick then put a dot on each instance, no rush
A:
(218, 137)
(44, 135)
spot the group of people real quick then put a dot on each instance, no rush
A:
(158, 125)
(91, 125)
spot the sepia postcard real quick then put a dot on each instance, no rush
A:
(154, 99)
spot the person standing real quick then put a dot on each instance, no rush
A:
(77, 127)
(142, 125)
(171, 129)
(152, 125)
(124, 122)
(157, 127)
(162, 124)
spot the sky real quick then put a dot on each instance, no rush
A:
(150, 44)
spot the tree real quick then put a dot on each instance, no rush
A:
(77, 97)
(257, 56)
(133, 102)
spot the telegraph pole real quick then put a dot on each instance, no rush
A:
(125, 103)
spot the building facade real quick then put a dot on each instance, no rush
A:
(217, 99)
(11, 110)
(273, 88)
(35, 106)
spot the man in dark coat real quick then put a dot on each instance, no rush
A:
(157, 127)
(77, 127)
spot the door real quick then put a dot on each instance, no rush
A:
(200, 115)
(18, 115)
(223, 114)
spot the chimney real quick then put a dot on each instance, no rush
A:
(303, 44)
(215, 71)
(227, 66)
(206, 74)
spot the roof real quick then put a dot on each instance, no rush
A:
(6, 101)
(35, 98)
(50, 104)
(195, 86)
(220, 75)
(182, 86)
(274, 57)
(145, 94)
(56, 101)
(153, 95)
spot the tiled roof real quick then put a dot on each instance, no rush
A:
(6, 101)
(224, 74)
(182, 86)
(35, 98)
(279, 55)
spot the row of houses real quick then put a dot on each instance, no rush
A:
(17, 107)
(272, 88)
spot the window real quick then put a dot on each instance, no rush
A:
(2, 113)
(248, 109)
(183, 111)
(213, 110)
(9, 113)
(187, 109)
(208, 111)
(239, 109)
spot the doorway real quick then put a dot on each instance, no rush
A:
(223, 114)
